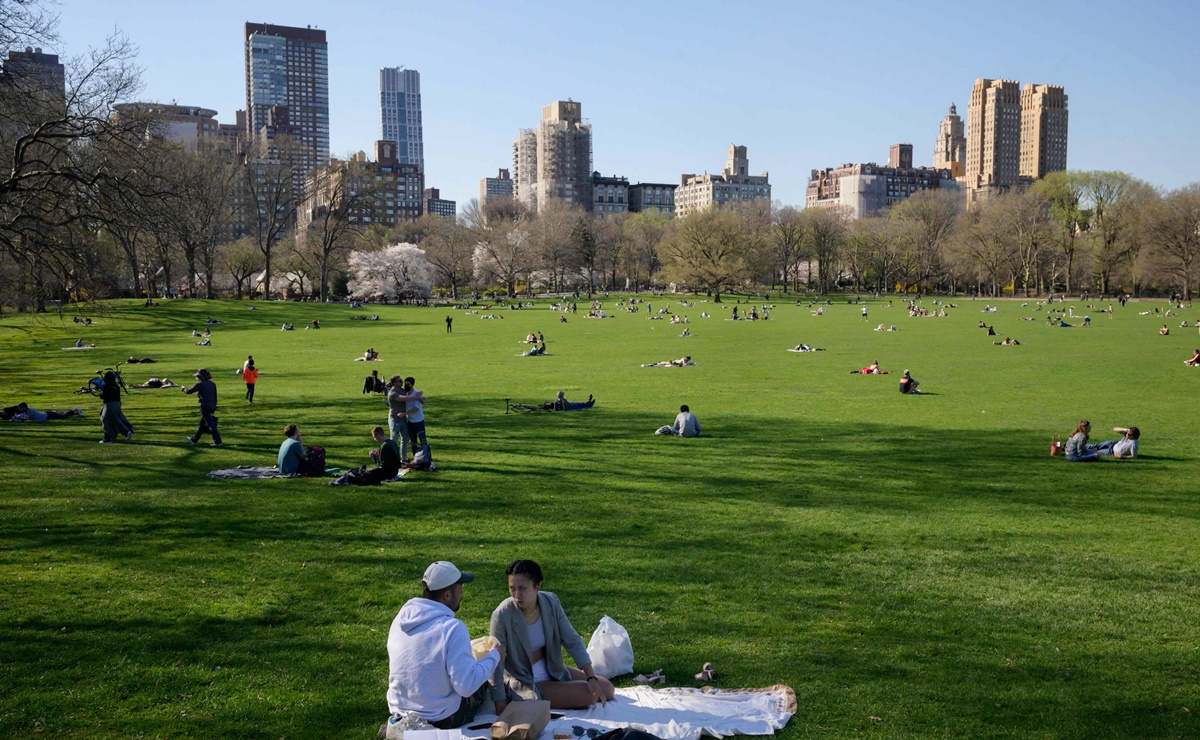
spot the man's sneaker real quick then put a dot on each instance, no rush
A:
(190, 440)
(129, 435)
(78, 411)
(215, 444)
(104, 441)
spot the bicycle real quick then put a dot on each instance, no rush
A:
(95, 385)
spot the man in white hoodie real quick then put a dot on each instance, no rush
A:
(431, 670)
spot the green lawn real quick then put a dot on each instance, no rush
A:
(911, 566)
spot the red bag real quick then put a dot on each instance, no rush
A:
(1056, 447)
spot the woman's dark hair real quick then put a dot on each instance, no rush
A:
(527, 568)
(110, 377)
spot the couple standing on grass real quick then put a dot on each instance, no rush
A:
(434, 675)
(406, 415)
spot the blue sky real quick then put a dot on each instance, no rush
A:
(669, 85)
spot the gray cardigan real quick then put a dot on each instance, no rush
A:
(516, 672)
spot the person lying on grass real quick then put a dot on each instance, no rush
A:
(22, 412)
(1125, 448)
(139, 360)
(533, 629)
(1008, 343)
(560, 403)
(802, 347)
(80, 345)
(156, 383)
(681, 362)
(872, 369)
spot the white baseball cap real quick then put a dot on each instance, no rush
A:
(444, 574)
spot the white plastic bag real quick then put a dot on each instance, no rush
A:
(610, 649)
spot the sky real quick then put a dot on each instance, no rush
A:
(668, 86)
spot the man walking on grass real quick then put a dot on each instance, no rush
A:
(206, 391)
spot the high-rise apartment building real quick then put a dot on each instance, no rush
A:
(395, 189)
(555, 159)
(32, 70)
(400, 113)
(288, 68)
(186, 125)
(492, 189)
(994, 135)
(950, 151)
(611, 193)
(699, 192)
(1014, 135)
(1043, 130)
(436, 205)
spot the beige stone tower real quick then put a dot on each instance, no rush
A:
(1043, 130)
(993, 135)
(950, 151)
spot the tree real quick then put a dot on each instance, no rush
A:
(552, 239)
(586, 250)
(271, 183)
(339, 195)
(1116, 201)
(196, 215)
(1027, 234)
(399, 271)
(932, 213)
(787, 240)
(448, 247)
(242, 260)
(825, 232)
(502, 252)
(1174, 227)
(706, 252)
(1062, 192)
(980, 241)
(643, 233)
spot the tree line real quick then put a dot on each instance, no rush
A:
(95, 202)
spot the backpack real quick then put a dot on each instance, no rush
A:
(314, 462)
(422, 459)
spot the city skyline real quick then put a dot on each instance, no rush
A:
(658, 105)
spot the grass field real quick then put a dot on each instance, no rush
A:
(911, 566)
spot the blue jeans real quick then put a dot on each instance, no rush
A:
(1103, 448)
(1085, 457)
(399, 427)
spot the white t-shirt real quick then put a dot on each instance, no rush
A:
(418, 405)
(1126, 448)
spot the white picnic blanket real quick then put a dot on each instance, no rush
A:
(676, 713)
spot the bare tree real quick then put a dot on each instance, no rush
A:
(551, 236)
(1117, 201)
(933, 214)
(1174, 227)
(340, 195)
(825, 233)
(1027, 233)
(639, 257)
(448, 247)
(787, 232)
(273, 191)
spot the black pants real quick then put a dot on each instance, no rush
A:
(250, 392)
(467, 709)
(374, 477)
(208, 423)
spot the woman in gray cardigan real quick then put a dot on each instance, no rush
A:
(534, 629)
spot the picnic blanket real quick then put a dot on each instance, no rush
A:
(668, 364)
(675, 713)
(814, 349)
(248, 472)
(90, 346)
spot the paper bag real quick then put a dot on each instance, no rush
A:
(522, 720)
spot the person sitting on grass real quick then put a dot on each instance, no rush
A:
(204, 342)
(1195, 361)
(157, 383)
(286, 327)
(686, 332)
(530, 338)
(291, 453)
(991, 331)
(373, 383)
(1125, 448)
(908, 384)
(560, 403)
(1164, 331)
(388, 457)
(533, 628)
(1076, 448)
(432, 672)
(686, 424)
(315, 324)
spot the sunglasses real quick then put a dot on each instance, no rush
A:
(591, 732)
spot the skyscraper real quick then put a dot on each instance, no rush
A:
(400, 113)
(555, 159)
(287, 69)
(492, 189)
(994, 134)
(1043, 130)
(950, 151)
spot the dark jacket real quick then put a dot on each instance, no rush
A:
(110, 392)
(207, 391)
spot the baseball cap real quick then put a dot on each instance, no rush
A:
(444, 574)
